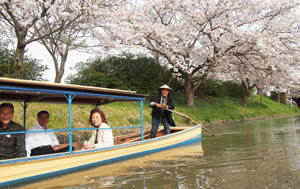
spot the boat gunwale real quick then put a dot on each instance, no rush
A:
(29, 179)
(119, 146)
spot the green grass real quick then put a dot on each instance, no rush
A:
(123, 114)
(214, 109)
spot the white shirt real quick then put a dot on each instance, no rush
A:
(105, 137)
(34, 140)
(163, 100)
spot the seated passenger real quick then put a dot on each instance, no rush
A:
(101, 137)
(11, 145)
(42, 143)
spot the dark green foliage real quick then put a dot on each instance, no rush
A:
(145, 75)
(33, 70)
(5, 61)
(218, 88)
(137, 73)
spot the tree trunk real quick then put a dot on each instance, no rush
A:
(58, 76)
(245, 97)
(20, 53)
(59, 70)
(18, 66)
(283, 98)
(246, 93)
(259, 91)
(59, 66)
(189, 90)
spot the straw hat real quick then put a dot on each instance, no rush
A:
(165, 87)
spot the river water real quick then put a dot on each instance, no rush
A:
(243, 155)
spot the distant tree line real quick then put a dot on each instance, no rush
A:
(137, 73)
(145, 75)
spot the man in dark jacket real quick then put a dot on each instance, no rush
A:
(11, 145)
(161, 110)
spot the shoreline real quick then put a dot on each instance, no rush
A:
(213, 128)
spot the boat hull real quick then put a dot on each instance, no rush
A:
(29, 171)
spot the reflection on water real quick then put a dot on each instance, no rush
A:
(246, 155)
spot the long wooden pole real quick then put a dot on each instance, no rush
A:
(186, 117)
(183, 115)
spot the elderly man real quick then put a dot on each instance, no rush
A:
(42, 143)
(161, 106)
(11, 145)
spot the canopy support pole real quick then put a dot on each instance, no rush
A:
(142, 119)
(25, 106)
(70, 121)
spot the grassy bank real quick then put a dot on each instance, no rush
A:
(217, 109)
(121, 114)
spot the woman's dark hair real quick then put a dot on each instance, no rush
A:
(43, 112)
(97, 110)
(7, 105)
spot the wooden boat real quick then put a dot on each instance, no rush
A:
(22, 170)
(112, 173)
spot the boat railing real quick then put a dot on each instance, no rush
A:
(70, 142)
(66, 130)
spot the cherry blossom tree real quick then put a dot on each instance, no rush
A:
(248, 65)
(25, 20)
(67, 38)
(73, 34)
(265, 57)
(191, 36)
(59, 45)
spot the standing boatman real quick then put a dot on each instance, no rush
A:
(162, 106)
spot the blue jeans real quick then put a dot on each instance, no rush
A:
(155, 125)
